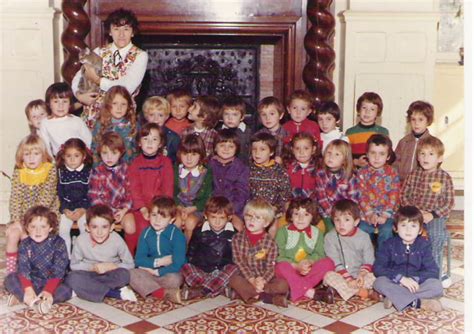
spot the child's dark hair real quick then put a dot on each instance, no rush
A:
(77, 144)
(217, 204)
(165, 206)
(119, 18)
(271, 101)
(113, 141)
(146, 130)
(346, 206)
(302, 136)
(372, 98)
(41, 211)
(192, 143)
(176, 94)
(209, 108)
(233, 102)
(410, 213)
(59, 90)
(380, 139)
(303, 203)
(330, 108)
(267, 139)
(101, 211)
(422, 107)
(304, 95)
(227, 135)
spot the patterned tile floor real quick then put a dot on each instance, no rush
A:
(221, 315)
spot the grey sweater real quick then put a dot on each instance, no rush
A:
(357, 249)
(86, 253)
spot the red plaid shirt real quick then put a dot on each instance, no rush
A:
(429, 191)
(207, 137)
(255, 261)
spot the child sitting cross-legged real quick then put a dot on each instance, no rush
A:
(160, 254)
(301, 260)
(210, 263)
(42, 264)
(406, 272)
(100, 260)
(254, 251)
(352, 252)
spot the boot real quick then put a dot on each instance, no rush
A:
(324, 294)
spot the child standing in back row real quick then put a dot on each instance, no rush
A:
(36, 111)
(180, 102)
(300, 106)
(369, 106)
(328, 116)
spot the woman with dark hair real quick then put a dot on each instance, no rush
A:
(123, 64)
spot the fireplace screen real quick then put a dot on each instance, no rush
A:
(209, 70)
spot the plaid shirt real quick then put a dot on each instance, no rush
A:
(110, 186)
(331, 187)
(379, 190)
(432, 192)
(303, 180)
(255, 261)
(279, 134)
(207, 136)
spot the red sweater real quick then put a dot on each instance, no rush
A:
(307, 125)
(149, 178)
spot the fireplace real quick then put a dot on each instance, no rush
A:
(275, 33)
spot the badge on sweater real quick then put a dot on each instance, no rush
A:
(261, 254)
(436, 187)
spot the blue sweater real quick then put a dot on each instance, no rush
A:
(171, 241)
(394, 260)
(73, 187)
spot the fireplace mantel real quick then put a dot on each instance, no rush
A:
(293, 27)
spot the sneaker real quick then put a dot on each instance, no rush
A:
(431, 305)
(127, 294)
(363, 293)
(387, 303)
(446, 281)
(188, 293)
(324, 294)
(41, 306)
(12, 300)
(173, 295)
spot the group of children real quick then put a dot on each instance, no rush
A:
(202, 199)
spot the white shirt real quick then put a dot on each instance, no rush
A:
(56, 131)
(132, 78)
(332, 135)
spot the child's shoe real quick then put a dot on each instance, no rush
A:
(173, 295)
(188, 293)
(363, 293)
(230, 293)
(41, 306)
(324, 294)
(446, 281)
(127, 294)
(431, 305)
(12, 300)
(277, 300)
(387, 303)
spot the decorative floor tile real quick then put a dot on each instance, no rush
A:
(419, 321)
(241, 318)
(341, 328)
(340, 309)
(62, 318)
(455, 291)
(141, 327)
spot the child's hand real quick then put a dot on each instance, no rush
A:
(102, 268)
(361, 279)
(151, 271)
(164, 261)
(45, 295)
(69, 214)
(381, 220)
(118, 216)
(372, 219)
(410, 284)
(30, 296)
(427, 217)
(259, 284)
(79, 212)
(145, 213)
(305, 267)
(354, 284)
(279, 160)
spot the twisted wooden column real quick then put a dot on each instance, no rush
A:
(318, 71)
(73, 36)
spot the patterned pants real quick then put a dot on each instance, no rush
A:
(338, 282)
(437, 233)
(300, 284)
(14, 286)
(213, 282)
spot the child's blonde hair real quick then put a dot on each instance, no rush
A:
(106, 116)
(156, 102)
(31, 142)
(431, 142)
(178, 94)
(260, 207)
(35, 104)
(346, 151)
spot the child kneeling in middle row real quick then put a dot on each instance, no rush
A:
(352, 252)
(210, 264)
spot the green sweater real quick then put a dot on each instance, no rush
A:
(294, 246)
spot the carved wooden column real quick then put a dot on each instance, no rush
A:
(73, 36)
(318, 71)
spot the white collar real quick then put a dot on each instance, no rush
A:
(78, 169)
(207, 227)
(199, 130)
(183, 172)
(123, 51)
(242, 126)
(303, 165)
